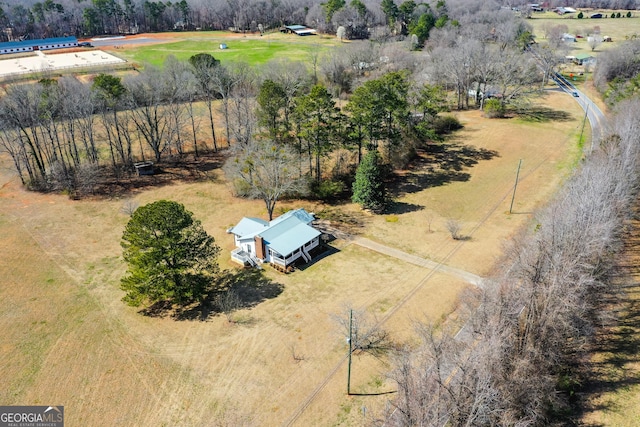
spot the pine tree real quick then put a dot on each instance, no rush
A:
(368, 188)
(169, 255)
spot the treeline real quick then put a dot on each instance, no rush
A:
(617, 75)
(58, 131)
(359, 19)
(518, 359)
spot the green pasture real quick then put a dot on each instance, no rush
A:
(252, 50)
(619, 29)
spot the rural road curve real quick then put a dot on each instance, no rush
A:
(414, 259)
(596, 117)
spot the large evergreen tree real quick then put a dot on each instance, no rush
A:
(272, 101)
(320, 122)
(368, 188)
(169, 255)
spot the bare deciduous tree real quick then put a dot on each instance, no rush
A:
(151, 118)
(513, 362)
(265, 170)
(594, 41)
(367, 335)
(228, 302)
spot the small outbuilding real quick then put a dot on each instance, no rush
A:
(584, 59)
(144, 168)
(299, 30)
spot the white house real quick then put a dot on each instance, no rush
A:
(280, 242)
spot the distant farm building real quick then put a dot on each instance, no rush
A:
(42, 44)
(584, 59)
(299, 30)
(282, 242)
(563, 10)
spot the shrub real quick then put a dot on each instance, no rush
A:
(443, 125)
(580, 15)
(454, 229)
(493, 108)
(392, 218)
(328, 190)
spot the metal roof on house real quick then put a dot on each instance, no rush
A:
(38, 42)
(301, 214)
(249, 227)
(288, 235)
(295, 27)
(583, 56)
(305, 32)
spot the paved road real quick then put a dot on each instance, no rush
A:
(596, 117)
(122, 40)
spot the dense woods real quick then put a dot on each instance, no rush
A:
(358, 19)
(62, 132)
(618, 71)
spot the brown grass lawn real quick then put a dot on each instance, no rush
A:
(69, 340)
(611, 395)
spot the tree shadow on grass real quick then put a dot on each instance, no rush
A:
(402, 207)
(617, 343)
(185, 169)
(250, 286)
(437, 165)
(619, 347)
(540, 114)
(320, 253)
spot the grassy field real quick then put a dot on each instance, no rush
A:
(616, 28)
(252, 49)
(69, 340)
(612, 393)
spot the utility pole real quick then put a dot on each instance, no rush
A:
(514, 187)
(350, 351)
